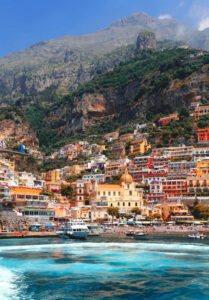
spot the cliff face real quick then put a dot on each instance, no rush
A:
(154, 92)
(146, 40)
(15, 128)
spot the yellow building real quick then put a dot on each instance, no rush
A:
(125, 196)
(139, 146)
(53, 175)
(203, 168)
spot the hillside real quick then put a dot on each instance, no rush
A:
(50, 69)
(153, 83)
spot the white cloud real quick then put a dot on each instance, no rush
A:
(204, 23)
(181, 4)
(199, 12)
(164, 17)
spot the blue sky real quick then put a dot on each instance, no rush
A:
(25, 22)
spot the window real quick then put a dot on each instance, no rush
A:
(130, 193)
(118, 193)
(80, 191)
(111, 205)
(118, 203)
(99, 193)
(136, 204)
(80, 198)
(113, 193)
(123, 203)
(109, 193)
(129, 203)
(103, 193)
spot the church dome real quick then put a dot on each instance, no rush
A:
(126, 178)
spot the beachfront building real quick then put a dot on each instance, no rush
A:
(174, 211)
(124, 195)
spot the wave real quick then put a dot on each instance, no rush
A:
(8, 288)
(148, 246)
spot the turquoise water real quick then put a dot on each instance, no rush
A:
(104, 269)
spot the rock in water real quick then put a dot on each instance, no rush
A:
(146, 40)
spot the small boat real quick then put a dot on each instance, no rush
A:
(75, 229)
(200, 236)
(140, 236)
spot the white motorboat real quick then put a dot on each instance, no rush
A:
(75, 229)
(197, 236)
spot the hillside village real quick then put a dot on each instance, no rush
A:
(122, 175)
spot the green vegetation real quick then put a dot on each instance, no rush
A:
(113, 212)
(150, 70)
(68, 191)
(179, 131)
(200, 212)
(203, 121)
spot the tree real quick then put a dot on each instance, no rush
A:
(68, 191)
(113, 212)
(136, 211)
(184, 113)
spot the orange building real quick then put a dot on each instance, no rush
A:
(173, 209)
(166, 120)
(21, 194)
(203, 168)
(53, 175)
(203, 135)
(139, 146)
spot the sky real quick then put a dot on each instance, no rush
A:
(25, 22)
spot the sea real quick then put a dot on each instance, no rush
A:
(159, 267)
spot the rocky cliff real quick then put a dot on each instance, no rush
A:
(50, 69)
(154, 82)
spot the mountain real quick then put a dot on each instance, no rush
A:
(50, 69)
(151, 84)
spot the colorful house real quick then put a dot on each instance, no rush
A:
(139, 146)
(203, 135)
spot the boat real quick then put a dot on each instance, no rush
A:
(75, 229)
(140, 236)
(197, 236)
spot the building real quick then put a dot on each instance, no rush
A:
(203, 168)
(182, 152)
(125, 195)
(201, 152)
(175, 211)
(100, 178)
(126, 137)
(53, 175)
(203, 135)
(166, 120)
(198, 186)
(200, 111)
(30, 180)
(118, 150)
(139, 146)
